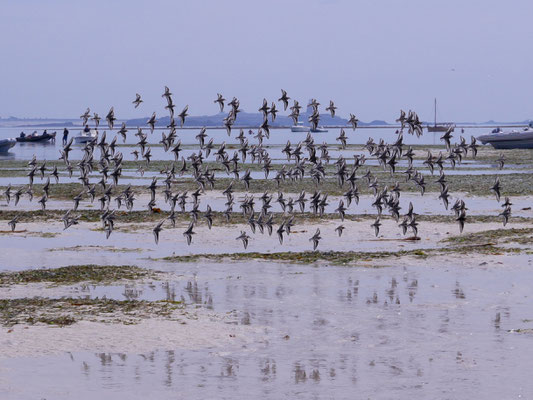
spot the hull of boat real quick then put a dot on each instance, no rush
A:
(6, 144)
(300, 129)
(82, 139)
(319, 130)
(511, 140)
(35, 139)
(438, 128)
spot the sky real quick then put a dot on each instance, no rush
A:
(371, 57)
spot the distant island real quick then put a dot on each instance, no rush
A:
(244, 119)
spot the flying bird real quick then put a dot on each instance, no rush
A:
(245, 238)
(158, 228)
(137, 100)
(220, 100)
(316, 239)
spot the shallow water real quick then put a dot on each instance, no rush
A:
(278, 138)
(328, 332)
(426, 329)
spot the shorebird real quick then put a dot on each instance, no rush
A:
(85, 116)
(285, 99)
(183, 114)
(13, 223)
(96, 118)
(339, 229)
(342, 138)
(331, 109)
(188, 233)
(151, 122)
(245, 238)
(376, 226)
(505, 214)
(137, 100)
(461, 218)
(220, 100)
(7, 193)
(353, 121)
(167, 93)
(315, 239)
(110, 117)
(280, 231)
(496, 188)
(157, 229)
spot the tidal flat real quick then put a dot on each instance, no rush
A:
(361, 312)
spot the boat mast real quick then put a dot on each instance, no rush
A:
(435, 112)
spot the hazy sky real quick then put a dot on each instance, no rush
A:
(371, 57)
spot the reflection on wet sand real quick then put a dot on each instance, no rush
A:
(325, 331)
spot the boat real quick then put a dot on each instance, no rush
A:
(6, 144)
(35, 137)
(437, 127)
(86, 137)
(299, 127)
(514, 139)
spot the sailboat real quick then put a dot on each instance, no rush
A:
(437, 127)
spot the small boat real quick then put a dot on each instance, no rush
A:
(514, 139)
(35, 137)
(6, 144)
(85, 137)
(437, 127)
(299, 127)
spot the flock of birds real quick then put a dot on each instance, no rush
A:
(304, 159)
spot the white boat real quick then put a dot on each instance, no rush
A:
(85, 137)
(6, 144)
(514, 139)
(299, 127)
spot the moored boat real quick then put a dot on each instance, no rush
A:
(85, 136)
(35, 137)
(437, 127)
(514, 139)
(299, 127)
(6, 144)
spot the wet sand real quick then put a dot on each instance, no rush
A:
(445, 316)
(418, 331)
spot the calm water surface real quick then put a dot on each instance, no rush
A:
(329, 333)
